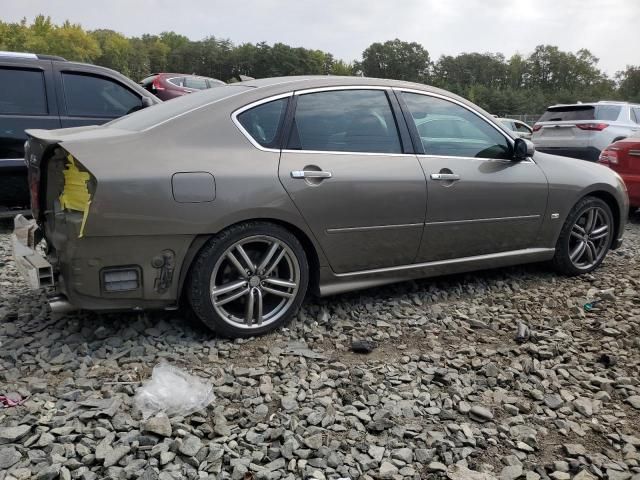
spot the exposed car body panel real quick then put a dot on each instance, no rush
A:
(623, 157)
(371, 223)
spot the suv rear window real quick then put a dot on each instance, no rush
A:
(581, 112)
(22, 92)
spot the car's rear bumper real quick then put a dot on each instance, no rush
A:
(583, 153)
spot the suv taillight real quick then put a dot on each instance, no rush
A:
(536, 127)
(592, 126)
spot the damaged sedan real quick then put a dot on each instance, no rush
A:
(240, 200)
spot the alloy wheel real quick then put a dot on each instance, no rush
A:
(254, 282)
(590, 238)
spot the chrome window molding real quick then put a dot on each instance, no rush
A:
(340, 152)
(341, 87)
(529, 160)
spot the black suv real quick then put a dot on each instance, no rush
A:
(42, 91)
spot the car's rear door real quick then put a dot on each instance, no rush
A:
(347, 171)
(86, 97)
(479, 201)
(27, 100)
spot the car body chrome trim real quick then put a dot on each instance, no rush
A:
(484, 220)
(453, 261)
(341, 87)
(372, 227)
(506, 161)
(635, 153)
(337, 152)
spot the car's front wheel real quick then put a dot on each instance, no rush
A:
(585, 237)
(249, 279)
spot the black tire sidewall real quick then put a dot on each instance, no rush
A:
(561, 260)
(199, 277)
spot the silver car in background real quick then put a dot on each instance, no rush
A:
(239, 200)
(519, 128)
(583, 130)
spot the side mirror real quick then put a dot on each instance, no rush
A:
(522, 149)
(146, 102)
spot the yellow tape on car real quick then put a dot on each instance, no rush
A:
(75, 194)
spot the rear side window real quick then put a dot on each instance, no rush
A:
(22, 92)
(263, 122)
(607, 112)
(635, 114)
(345, 121)
(195, 82)
(92, 96)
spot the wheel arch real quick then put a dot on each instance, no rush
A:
(611, 201)
(308, 245)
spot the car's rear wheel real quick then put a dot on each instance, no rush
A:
(250, 279)
(585, 237)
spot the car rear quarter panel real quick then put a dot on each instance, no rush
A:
(571, 180)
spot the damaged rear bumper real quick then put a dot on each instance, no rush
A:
(32, 265)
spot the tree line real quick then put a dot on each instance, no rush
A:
(520, 84)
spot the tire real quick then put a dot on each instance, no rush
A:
(581, 247)
(248, 280)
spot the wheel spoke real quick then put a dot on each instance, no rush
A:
(246, 259)
(233, 297)
(591, 220)
(236, 263)
(268, 256)
(248, 316)
(592, 252)
(578, 229)
(280, 283)
(275, 263)
(578, 252)
(259, 302)
(279, 293)
(229, 287)
(599, 233)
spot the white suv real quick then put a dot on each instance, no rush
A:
(583, 130)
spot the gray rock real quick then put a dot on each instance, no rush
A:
(387, 470)
(190, 446)
(314, 442)
(553, 401)
(511, 472)
(160, 425)
(574, 449)
(436, 467)
(634, 401)
(9, 456)
(13, 434)
(480, 414)
(376, 452)
(114, 455)
(404, 454)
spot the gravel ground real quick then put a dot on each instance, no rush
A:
(499, 374)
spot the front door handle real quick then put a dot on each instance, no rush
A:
(446, 177)
(310, 174)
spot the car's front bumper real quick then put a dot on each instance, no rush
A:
(583, 153)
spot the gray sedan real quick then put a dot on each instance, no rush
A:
(241, 199)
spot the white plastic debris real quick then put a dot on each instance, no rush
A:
(173, 391)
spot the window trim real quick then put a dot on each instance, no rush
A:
(418, 142)
(235, 113)
(42, 72)
(93, 75)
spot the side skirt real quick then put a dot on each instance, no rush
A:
(332, 283)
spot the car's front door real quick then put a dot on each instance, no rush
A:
(479, 201)
(345, 170)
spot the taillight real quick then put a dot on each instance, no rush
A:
(536, 127)
(609, 156)
(156, 85)
(592, 126)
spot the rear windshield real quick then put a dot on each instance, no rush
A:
(581, 112)
(151, 116)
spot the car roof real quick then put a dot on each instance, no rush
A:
(590, 104)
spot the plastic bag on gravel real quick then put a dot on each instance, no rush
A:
(173, 391)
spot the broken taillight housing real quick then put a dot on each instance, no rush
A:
(609, 156)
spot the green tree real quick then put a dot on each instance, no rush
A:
(396, 59)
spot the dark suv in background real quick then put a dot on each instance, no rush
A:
(171, 85)
(47, 92)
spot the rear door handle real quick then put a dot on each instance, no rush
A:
(310, 174)
(446, 177)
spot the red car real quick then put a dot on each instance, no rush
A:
(623, 156)
(171, 85)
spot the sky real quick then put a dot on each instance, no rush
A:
(610, 29)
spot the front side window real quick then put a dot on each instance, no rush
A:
(345, 121)
(263, 122)
(523, 128)
(197, 83)
(448, 129)
(22, 92)
(92, 96)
